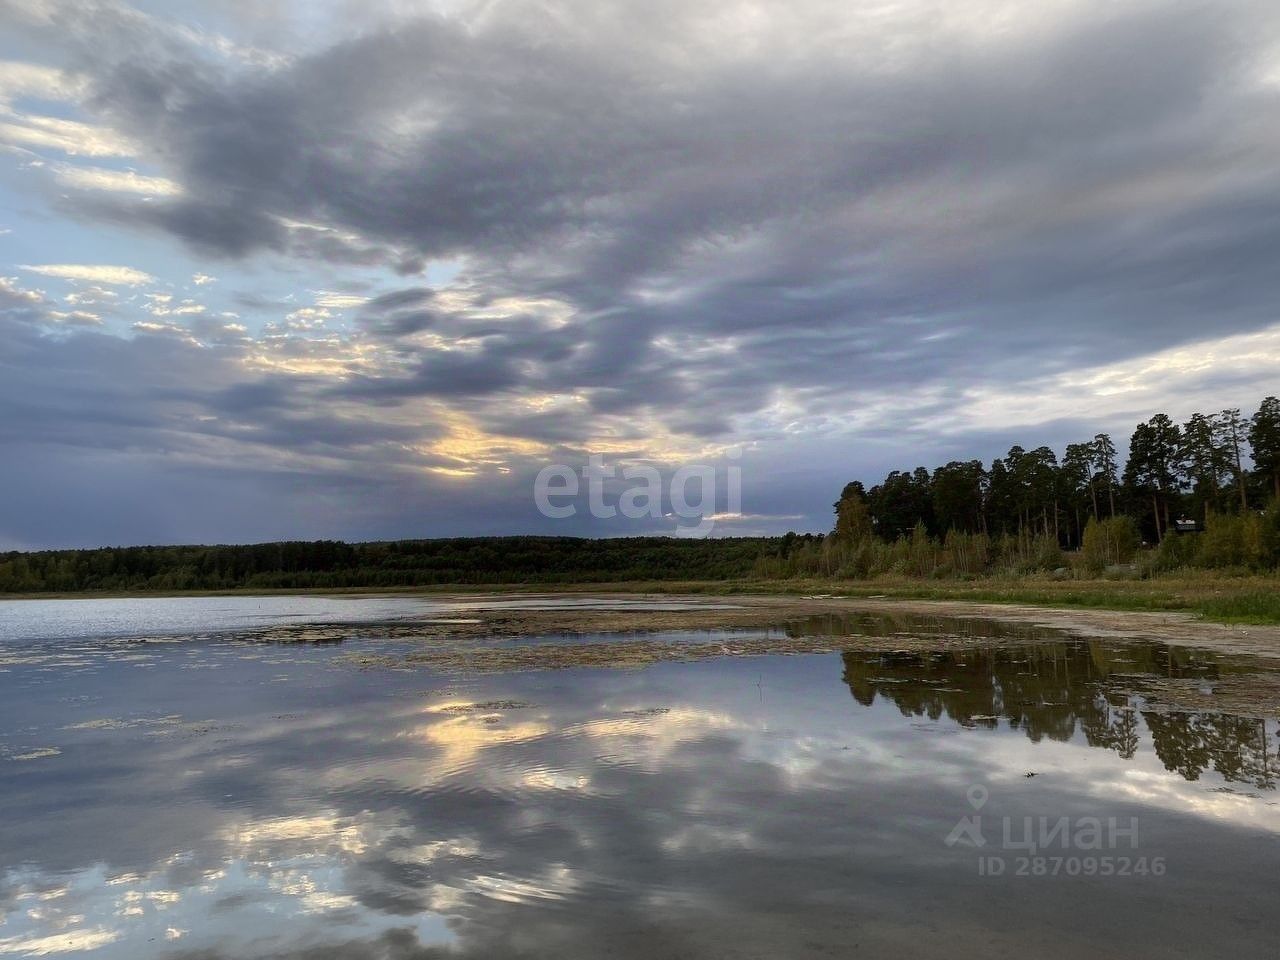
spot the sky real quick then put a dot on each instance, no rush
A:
(284, 270)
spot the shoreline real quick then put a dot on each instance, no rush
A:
(499, 641)
(1170, 627)
(495, 637)
(1230, 600)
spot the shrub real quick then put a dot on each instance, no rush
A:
(922, 553)
(1232, 541)
(1176, 552)
(1027, 554)
(1047, 553)
(1109, 542)
(1270, 535)
(967, 554)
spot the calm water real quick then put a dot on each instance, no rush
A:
(215, 799)
(202, 616)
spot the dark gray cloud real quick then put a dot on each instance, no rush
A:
(698, 223)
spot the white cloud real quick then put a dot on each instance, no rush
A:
(72, 941)
(116, 181)
(338, 301)
(18, 79)
(75, 318)
(306, 318)
(71, 137)
(89, 296)
(162, 305)
(1180, 380)
(93, 273)
(203, 279)
(164, 329)
(9, 287)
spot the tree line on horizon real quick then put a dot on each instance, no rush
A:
(1022, 512)
(1018, 515)
(332, 564)
(1212, 464)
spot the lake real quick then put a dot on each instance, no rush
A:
(174, 785)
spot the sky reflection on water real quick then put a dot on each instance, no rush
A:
(220, 800)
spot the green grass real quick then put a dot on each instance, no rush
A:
(1259, 608)
(1212, 599)
(1221, 598)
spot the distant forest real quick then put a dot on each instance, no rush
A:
(1028, 511)
(410, 563)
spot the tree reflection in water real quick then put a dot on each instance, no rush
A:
(1066, 689)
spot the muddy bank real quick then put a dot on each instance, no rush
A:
(503, 640)
(971, 622)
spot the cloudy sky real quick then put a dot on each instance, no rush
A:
(278, 269)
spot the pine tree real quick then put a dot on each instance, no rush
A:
(1264, 442)
(1152, 471)
(1104, 460)
(1076, 479)
(1203, 460)
(1230, 428)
